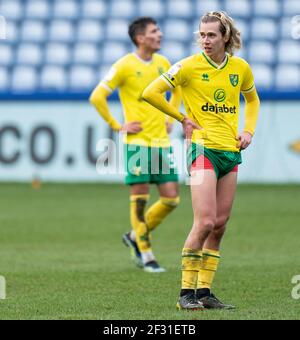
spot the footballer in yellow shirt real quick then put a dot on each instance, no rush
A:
(148, 152)
(132, 75)
(211, 95)
(211, 84)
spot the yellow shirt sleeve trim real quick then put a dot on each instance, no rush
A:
(162, 77)
(249, 90)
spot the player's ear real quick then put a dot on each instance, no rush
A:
(226, 38)
(140, 39)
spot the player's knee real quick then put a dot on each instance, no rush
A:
(222, 221)
(218, 232)
(220, 227)
(206, 225)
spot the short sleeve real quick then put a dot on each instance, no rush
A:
(248, 82)
(174, 77)
(114, 77)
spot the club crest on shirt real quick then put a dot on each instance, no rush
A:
(160, 70)
(234, 79)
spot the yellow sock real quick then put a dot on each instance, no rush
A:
(160, 210)
(137, 217)
(191, 262)
(209, 266)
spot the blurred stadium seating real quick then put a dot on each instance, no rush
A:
(67, 45)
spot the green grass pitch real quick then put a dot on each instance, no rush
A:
(62, 256)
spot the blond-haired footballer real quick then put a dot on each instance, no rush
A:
(211, 84)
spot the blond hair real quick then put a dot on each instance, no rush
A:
(227, 28)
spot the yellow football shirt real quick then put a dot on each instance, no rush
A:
(211, 96)
(132, 75)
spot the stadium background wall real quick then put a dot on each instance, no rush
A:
(55, 138)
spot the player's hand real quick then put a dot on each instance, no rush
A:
(132, 127)
(188, 127)
(169, 127)
(244, 140)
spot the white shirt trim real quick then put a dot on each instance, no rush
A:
(102, 84)
(165, 80)
(142, 60)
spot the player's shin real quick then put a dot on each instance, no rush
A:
(137, 211)
(191, 263)
(209, 266)
(159, 211)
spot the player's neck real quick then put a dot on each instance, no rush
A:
(144, 55)
(218, 58)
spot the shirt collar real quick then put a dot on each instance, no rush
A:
(142, 60)
(214, 64)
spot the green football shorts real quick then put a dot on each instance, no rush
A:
(223, 161)
(149, 165)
